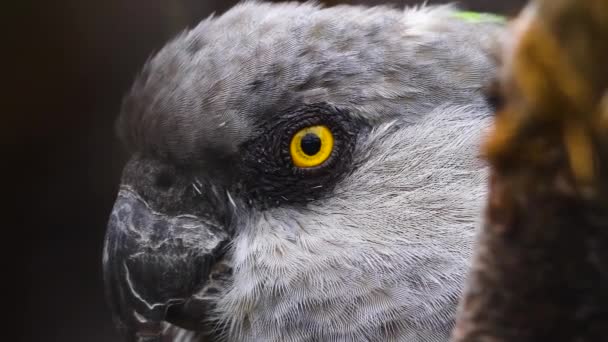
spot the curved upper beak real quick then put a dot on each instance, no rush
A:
(152, 262)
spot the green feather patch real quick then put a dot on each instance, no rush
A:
(477, 17)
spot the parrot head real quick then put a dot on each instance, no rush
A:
(300, 173)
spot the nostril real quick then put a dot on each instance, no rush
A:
(164, 180)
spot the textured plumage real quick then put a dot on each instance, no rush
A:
(374, 244)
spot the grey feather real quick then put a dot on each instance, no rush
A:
(383, 257)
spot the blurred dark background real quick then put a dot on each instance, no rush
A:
(77, 58)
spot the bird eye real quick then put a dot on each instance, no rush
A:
(311, 146)
(298, 155)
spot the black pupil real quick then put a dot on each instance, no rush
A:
(311, 144)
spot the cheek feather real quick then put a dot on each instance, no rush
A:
(391, 243)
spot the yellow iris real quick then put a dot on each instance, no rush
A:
(311, 146)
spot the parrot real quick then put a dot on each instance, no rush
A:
(302, 173)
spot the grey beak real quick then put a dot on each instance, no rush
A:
(153, 262)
